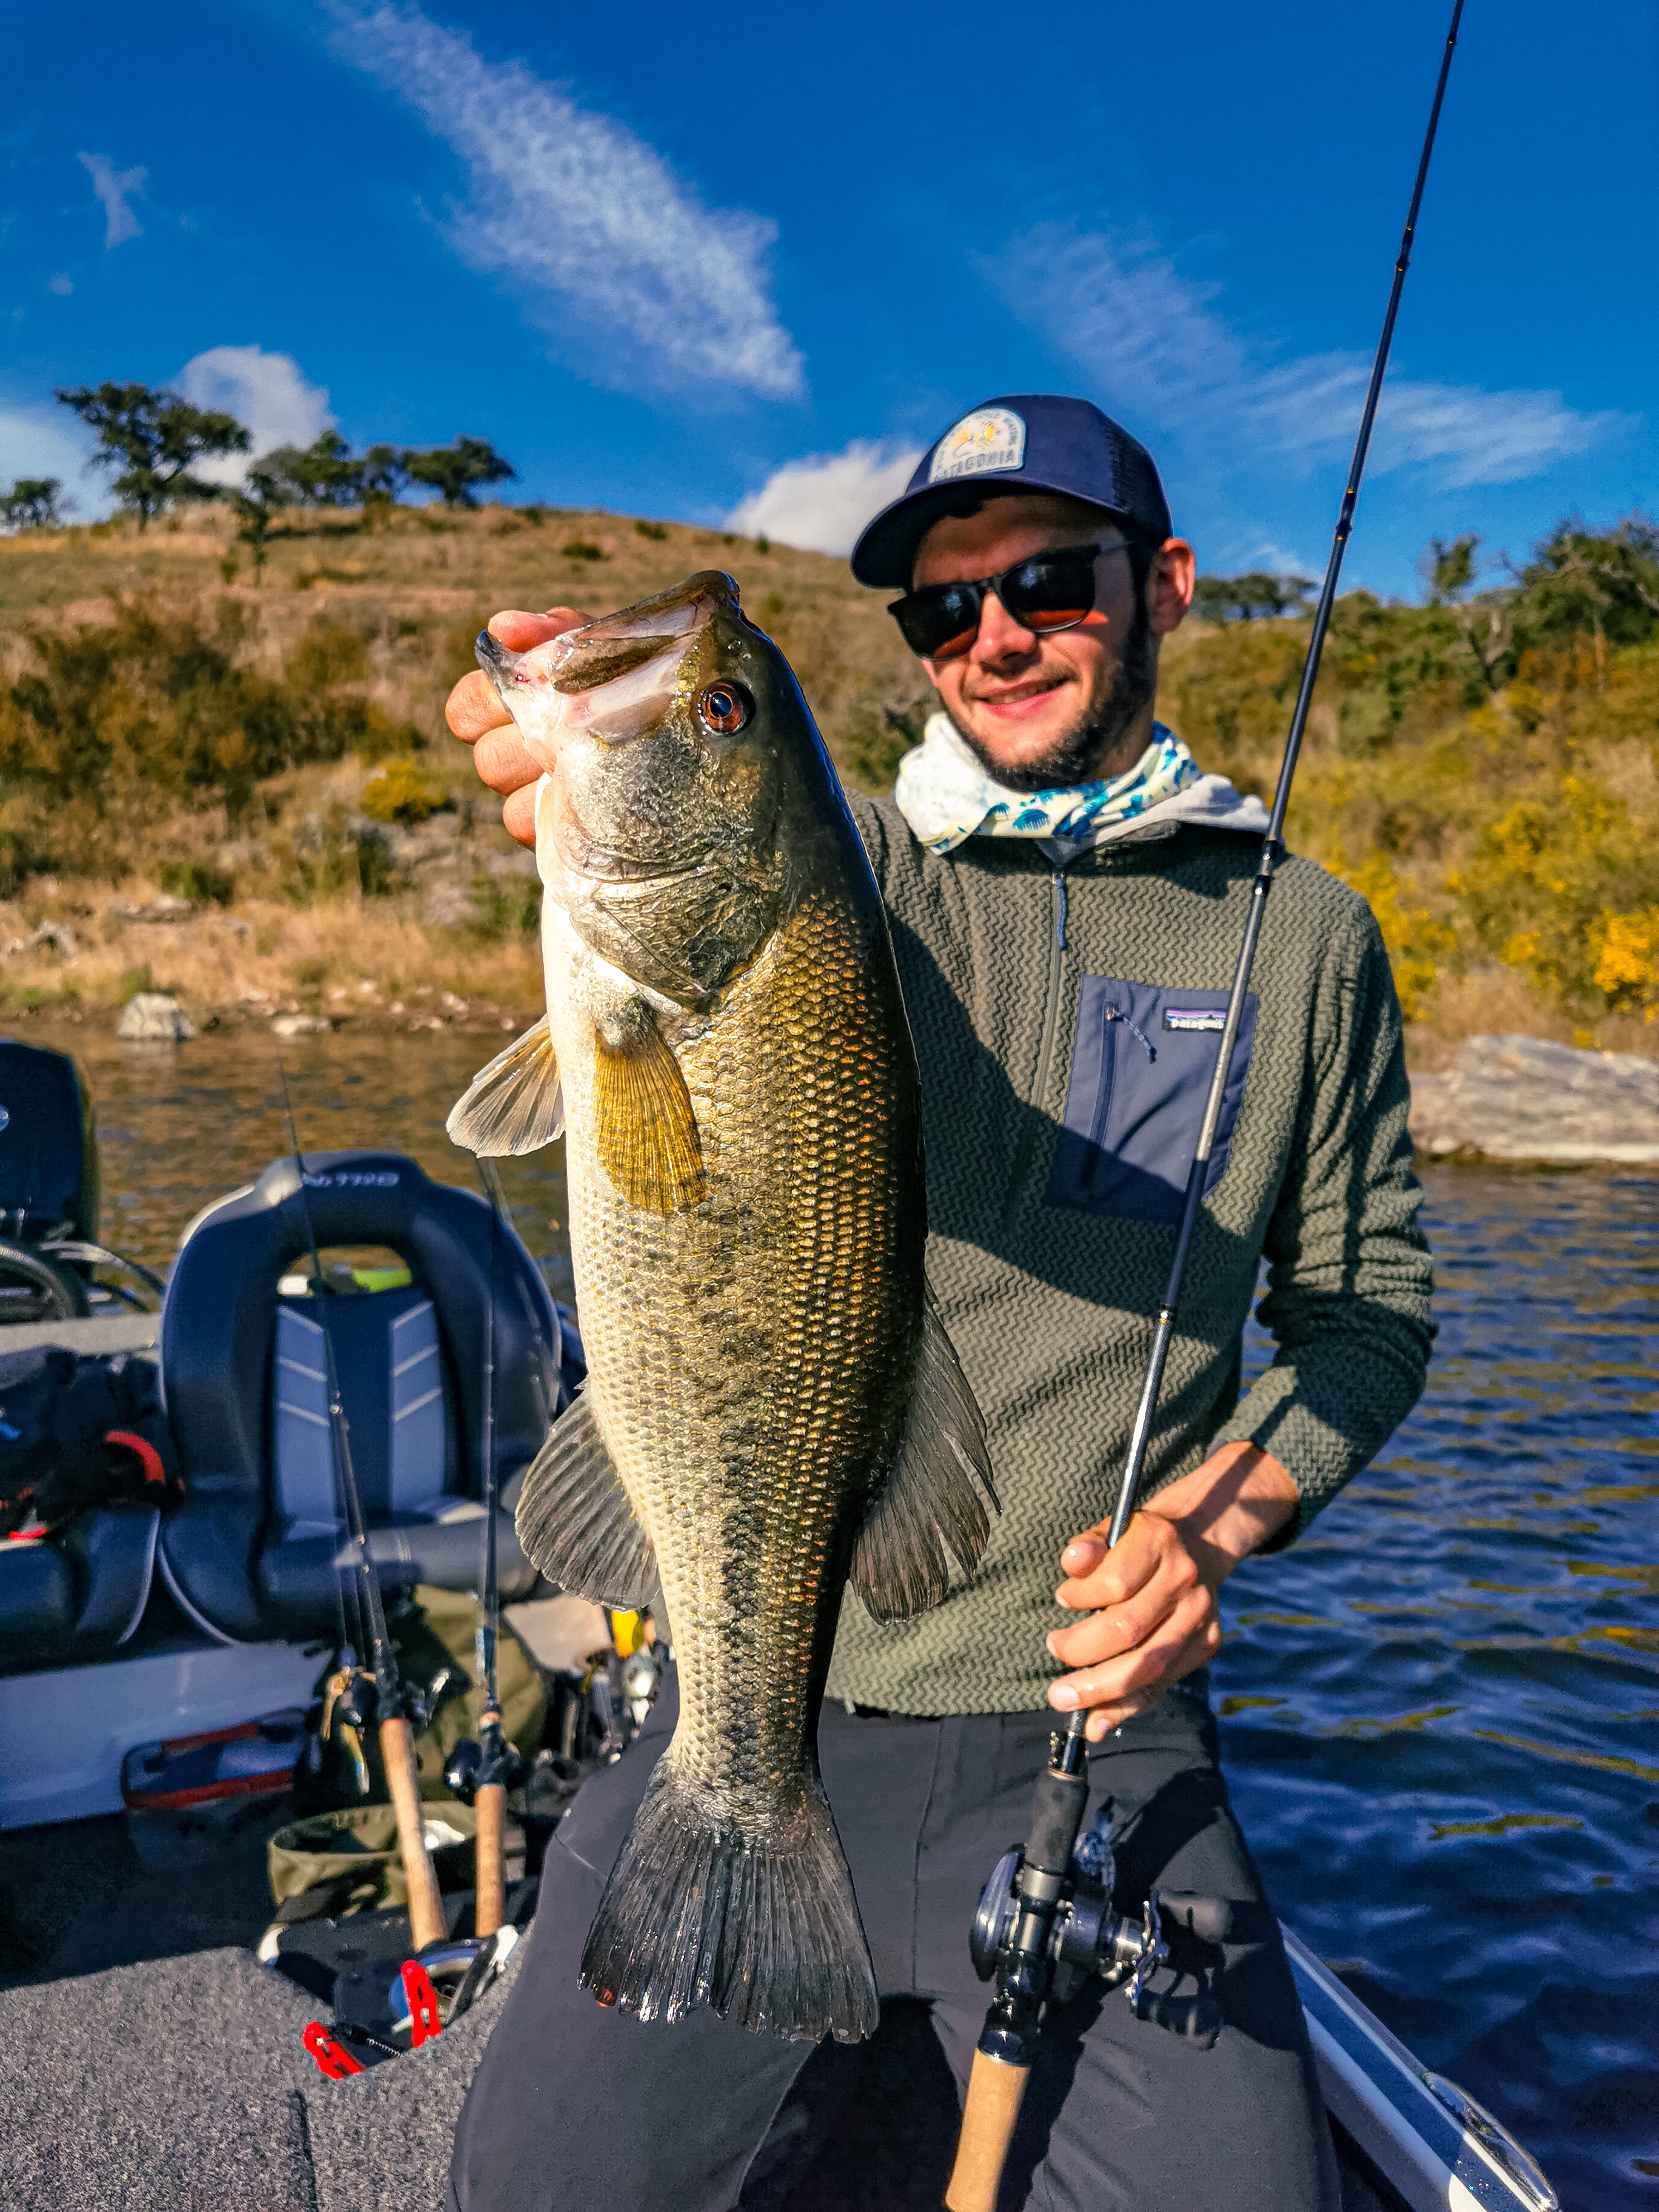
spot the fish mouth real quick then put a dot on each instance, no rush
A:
(586, 659)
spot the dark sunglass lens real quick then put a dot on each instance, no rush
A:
(939, 622)
(1054, 592)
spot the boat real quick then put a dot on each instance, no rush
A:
(157, 1664)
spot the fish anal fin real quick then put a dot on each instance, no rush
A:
(575, 1519)
(645, 1127)
(514, 1104)
(931, 1501)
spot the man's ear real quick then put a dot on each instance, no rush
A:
(1169, 583)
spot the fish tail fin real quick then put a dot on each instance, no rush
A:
(767, 1933)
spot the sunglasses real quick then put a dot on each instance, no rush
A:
(1050, 591)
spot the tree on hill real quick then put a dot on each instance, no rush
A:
(321, 474)
(454, 469)
(1223, 599)
(153, 438)
(33, 504)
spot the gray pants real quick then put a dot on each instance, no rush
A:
(577, 2107)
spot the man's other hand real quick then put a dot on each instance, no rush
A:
(1154, 1612)
(476, 715)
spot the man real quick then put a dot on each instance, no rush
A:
(1067, 892)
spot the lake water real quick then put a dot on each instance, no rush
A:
(1440, 1711)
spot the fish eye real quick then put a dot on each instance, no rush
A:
(723, 708)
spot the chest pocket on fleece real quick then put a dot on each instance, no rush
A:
(1141, 1061)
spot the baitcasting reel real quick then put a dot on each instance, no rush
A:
(472, 1766)
(1041, 1933)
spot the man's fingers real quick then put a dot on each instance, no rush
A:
(520, 632)
(504, 762)
(1190, 1635)
(1120, 1627)
(519, 817)
(473, 707)
(1118, 1574)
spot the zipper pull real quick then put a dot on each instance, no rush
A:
(1060, 908)
(1117, 1014)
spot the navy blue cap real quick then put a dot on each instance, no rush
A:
(1025, 441)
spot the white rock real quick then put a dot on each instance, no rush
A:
(1525, 1099)
(152, 1017)
(287, 1026)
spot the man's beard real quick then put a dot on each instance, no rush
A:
(1074, 759)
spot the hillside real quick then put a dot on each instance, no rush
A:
(238, 788)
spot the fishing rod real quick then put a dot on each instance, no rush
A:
(481, 1772)
(1040, 1925)
(396, 1741)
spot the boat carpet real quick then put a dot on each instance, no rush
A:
(180, 2085)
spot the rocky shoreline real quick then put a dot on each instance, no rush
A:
(1525, 1100)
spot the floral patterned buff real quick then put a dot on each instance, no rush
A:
(945, 795)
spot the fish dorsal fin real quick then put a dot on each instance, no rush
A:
(514, 1105)
(645, 1129)
(930, 1501)
(575, 1521)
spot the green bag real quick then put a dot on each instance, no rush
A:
(337, 1863)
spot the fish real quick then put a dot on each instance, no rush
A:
(772, 1407)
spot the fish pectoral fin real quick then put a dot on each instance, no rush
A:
(577, 1523)
(931, 1500)
(514, 1104)
(647, 1132)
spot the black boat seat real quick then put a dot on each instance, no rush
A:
(79, 1593)
(259, 1547)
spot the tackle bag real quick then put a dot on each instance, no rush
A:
(80, 1434)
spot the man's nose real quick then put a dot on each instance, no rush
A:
(1000, 634)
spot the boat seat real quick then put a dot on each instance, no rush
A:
(259, 1547)
(78, 1592)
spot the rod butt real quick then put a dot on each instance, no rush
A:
(427, 1923)
(995, 2091)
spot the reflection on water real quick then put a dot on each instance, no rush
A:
(1439, 1709)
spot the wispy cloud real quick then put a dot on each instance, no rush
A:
(1157, 345)
(821, 504)
(266, 392)
(574, 210)
(115, 187)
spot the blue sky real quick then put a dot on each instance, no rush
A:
(746, 262)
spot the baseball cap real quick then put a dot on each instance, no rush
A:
(1025, 441)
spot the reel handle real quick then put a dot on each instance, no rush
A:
(996, 2092)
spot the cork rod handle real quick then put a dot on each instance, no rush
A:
(995, 2094)
(426, 1912)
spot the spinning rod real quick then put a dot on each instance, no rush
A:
(1039, 1925)
(396, 1741)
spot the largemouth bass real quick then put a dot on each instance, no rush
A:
(772, 1405)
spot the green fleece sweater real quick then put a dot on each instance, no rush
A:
(1066, 1025)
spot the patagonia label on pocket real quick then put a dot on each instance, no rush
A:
(1195, 1017)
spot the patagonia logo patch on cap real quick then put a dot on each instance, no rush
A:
(990, 438)
(1195, 1017)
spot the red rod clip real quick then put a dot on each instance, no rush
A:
(425, 2021)
(332, 2057)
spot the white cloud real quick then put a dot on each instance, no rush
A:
(62, 286)
(821, 503)
(115, 187)
(1157, 348)
(267, 394)
(48, 442)
(576, 210)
